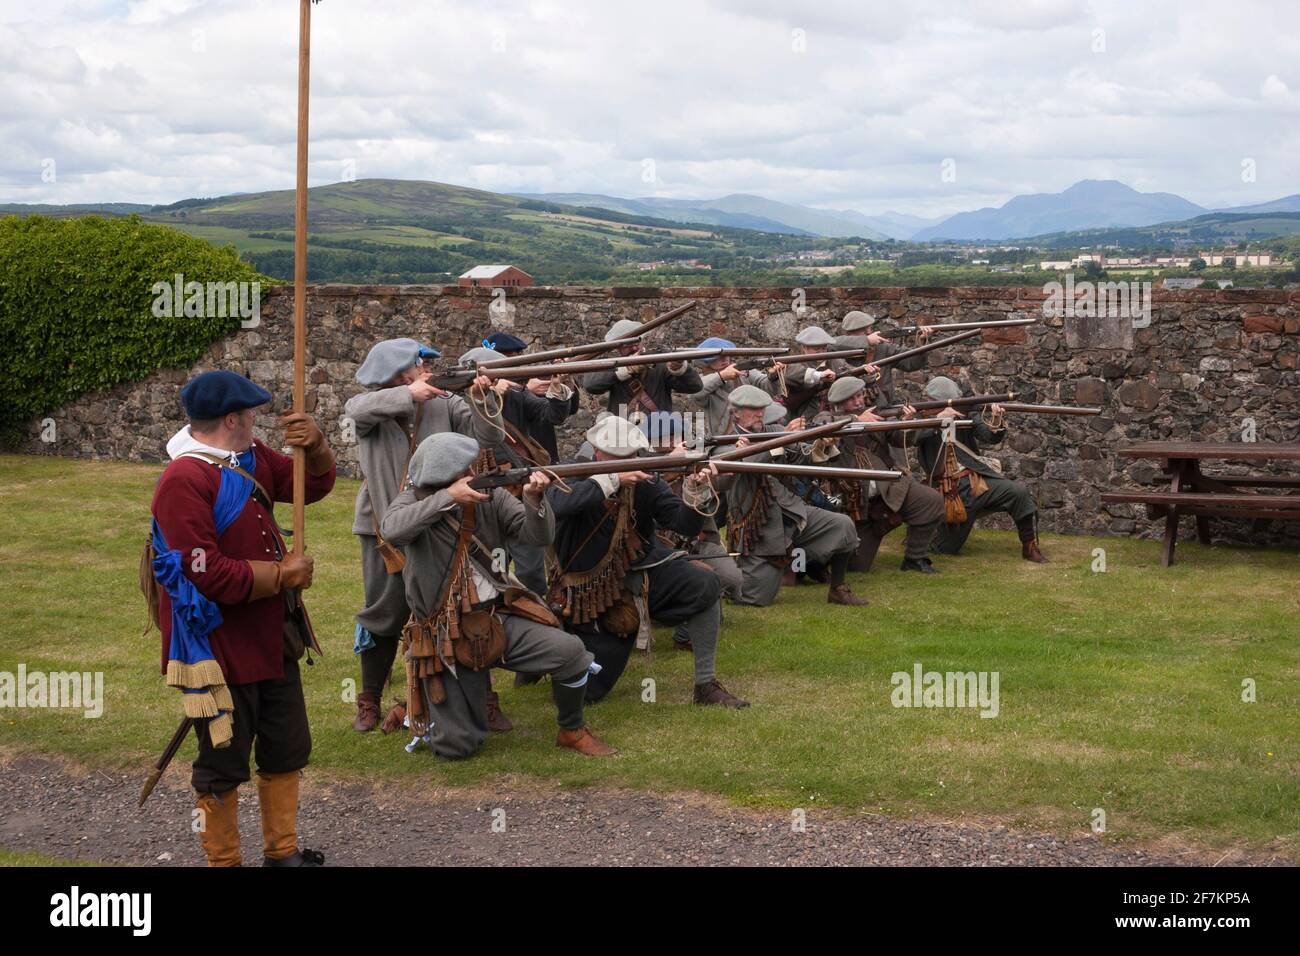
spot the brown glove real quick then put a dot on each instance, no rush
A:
(301, 430)
(296, 571)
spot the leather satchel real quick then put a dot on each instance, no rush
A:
(482, 640)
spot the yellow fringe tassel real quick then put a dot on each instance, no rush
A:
(193, 676)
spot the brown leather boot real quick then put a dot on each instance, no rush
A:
(497, 721)
(220, 833)
(1029, 551)
(277, 794)
(840, 594)
(714, 693)
(367, 713)
(584, 741)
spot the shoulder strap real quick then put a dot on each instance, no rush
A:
(266, 500)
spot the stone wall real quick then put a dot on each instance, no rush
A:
(1208, 361)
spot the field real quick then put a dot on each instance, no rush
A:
(1120, 691)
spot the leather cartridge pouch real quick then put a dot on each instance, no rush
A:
(393, 559)
(621, 618)
(482, 640)
(298, 632)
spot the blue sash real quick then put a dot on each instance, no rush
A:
(191, 665)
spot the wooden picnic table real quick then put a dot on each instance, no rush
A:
(1192, 492)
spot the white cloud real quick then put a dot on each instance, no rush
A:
(158, 100)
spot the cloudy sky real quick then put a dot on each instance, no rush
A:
(833, 104)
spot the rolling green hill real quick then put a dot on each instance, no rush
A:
(404, 231)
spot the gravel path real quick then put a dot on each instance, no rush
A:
(73, 813)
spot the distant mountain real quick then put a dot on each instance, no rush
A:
(1285, 204)
(1088, 204)
(76, 209)
(895, 225)
(739, 210)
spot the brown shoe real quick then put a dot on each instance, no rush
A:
(395, 719)
(367, 718)
(584, 741)
(1029, 551)
(714, 693)
(840, 594)
(497, 721)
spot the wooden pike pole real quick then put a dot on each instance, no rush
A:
(300, 276)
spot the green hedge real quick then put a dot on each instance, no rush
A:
(76, 308)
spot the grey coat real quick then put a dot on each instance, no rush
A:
(419, 527)
(382, 417)
(712, 397)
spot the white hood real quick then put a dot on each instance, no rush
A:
(183, 443)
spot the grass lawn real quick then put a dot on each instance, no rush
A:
(1119, 690)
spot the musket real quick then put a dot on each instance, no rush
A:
(881, 362)
(780, 440)
(854, 428)
(1050, 409)
(954, 326)
(804, 357)
(461, 377)
(807, 471)
(966, 401)
(595, 348)
(585, 469)
(178, 738)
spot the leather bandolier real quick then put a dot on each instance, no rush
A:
(457, 631)
(580, 597)
(524, 445)
(640, 399)
(749, 528)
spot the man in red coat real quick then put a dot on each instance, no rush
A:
(250, 574)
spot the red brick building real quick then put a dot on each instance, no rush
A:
(493, 276)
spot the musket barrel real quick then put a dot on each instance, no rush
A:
(1051, 409)
(785, 438)
(593, 348)
(807, 471)
(966, 401)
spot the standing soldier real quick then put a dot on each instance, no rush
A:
(397, 412)
(467, 614)
(522, 411)
(861, 335)
(976, 479)
(214, 528)
(720, 379)
(641, 389)
(897, 502)
(538, 421)
(767, 523)
(802, 381)
(615, 575)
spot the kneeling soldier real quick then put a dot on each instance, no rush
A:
(903, 501)
(467, 613)
(976, 478)
(614, 575)
(214, 524)
(767, 522)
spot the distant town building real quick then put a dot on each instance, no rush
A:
(1239, 258)
(1059, 265)
(1182, 283)
(495, 276)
